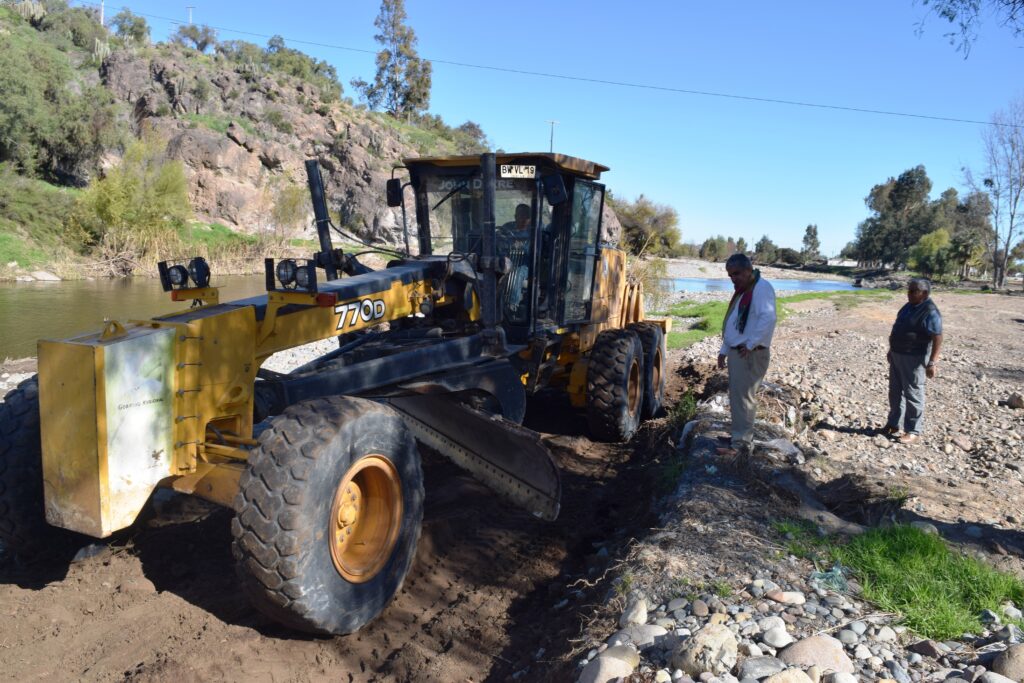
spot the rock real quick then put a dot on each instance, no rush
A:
(1015, 400)
(885, 635)
(858, 627)
(635, 613)
(862, 652)
(699, 608)
(987, 616)
(678, 603)
(993, 677)
(822, 651)
(615, 662)
(713, 649)
(1012, 612)
(929, 648)
(840, 677)
(768, 623)
(963, 443)
(760, 667)
(750, 650)
(43, 276)
(897, 671)
(1010, 633)
(1010, 663)
(776, 637)
(926, 527)
(641, 635)
(786, 597)
(789, 676)
(847, 637)
(662, 676)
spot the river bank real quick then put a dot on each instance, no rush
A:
(496, 594)
(716, 590)
(698, 268)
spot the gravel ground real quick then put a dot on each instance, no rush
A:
(711, 593)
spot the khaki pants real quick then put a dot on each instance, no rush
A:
(745, 375)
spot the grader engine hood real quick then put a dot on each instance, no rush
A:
(107, 435)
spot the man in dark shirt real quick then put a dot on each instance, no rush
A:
(914, 345)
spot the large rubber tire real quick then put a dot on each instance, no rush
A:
(23, 527)
(615, 384)
(653, 341)
(287, 513)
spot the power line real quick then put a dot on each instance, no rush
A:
(602, 81)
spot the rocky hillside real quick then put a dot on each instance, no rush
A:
(243, 137)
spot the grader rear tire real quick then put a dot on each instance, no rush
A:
(328, 514)
(615, 385)
(23, 527)
(653, 341)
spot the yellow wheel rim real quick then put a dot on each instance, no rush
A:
(366, 517)
(633, 390)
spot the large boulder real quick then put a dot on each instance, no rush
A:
(1010, 663)
(713, 648)
(821, 651)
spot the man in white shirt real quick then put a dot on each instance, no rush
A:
(746, 342)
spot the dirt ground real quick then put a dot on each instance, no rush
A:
(160, 602)
(492, 596)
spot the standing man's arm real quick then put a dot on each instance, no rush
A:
(933, 360)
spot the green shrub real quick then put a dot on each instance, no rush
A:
(275, 117)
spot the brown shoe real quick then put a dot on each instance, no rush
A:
(909, 438)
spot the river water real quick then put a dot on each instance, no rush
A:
(30, 311)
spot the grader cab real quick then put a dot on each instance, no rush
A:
(505, 289)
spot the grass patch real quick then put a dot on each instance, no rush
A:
(939, 592)
(710, 314)
(14, 249)
(213, 238)
(220, 124)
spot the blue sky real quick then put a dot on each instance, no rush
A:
(728, 166)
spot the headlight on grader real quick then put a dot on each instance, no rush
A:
(178, 275)
(286, 272)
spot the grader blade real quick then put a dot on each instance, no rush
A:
(508, 458)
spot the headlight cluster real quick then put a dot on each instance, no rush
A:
(179, 276)
(290, 274)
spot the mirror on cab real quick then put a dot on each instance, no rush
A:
(394, 191)
(554, 189)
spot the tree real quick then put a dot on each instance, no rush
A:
(1002, 178)
(128, 25)
(715, 249)
(135, 210)
(50, 126)
(201, 37)
(965, 16)
(902, 214)
(648, 228)
(402, 82)
(812, 245)
(931, 255)
(764, 250)
(741, 246)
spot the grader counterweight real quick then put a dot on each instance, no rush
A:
(508, 288)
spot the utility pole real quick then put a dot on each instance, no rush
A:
(551, 147)
(190, 8)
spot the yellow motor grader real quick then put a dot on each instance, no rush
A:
(511, 290)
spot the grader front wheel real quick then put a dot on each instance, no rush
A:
(328, 514)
